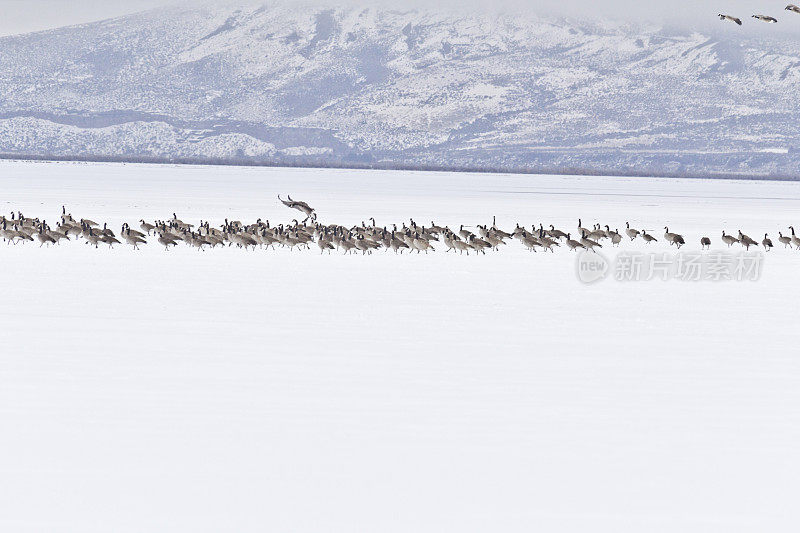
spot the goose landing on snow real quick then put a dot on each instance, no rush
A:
(303, 207)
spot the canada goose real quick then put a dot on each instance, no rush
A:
(746, 241)
(784, 239)
(6, 234)
(132, 239)
(166, 240)
(729, 239)
(730, 18)
(647, 237)
(673, 238)
(494, 240)
(589, 243)
(596, 233)
(615, 237)
(556, 233)
(792, 7)
(767, 242)
(303, 207)
(127, 228)
(705, 243)
(581, 229)
(324, 244)
(44, 238)
(530, 242)
(795, 241)
(498, 232)
(396, 244)
(461, 246)
(766, 18)
(147, 228)
(547, 242)
(109, 240)
(447, 238)
(574, 245)
(422, 245)
(465, 233)
(363, 245)
(107, 231)
(435, 228)
(632, 233)
(92, 238)
(347, 245)
(478, 244)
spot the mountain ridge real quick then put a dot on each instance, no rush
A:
(276, 83)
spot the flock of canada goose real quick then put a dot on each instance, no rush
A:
(364, 238)
(763, 18)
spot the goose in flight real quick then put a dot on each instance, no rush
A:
(303, 207)
(766, 18)
(792, 7)
(730, 18)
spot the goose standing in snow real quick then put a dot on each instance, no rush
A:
(729, 239)
(647, 237)
(767, 242)
(746, 241)
(43, 236)
(573, 245)
(673, 238)
(794, 240)
(632, 233)
(166, 240)
(616, 238)
(784, 239)
(146, 227)
(556, 233)
(588, 243)
(705, 242)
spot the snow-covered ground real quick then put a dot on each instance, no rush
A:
(283, 391)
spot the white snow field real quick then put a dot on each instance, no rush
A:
(252, 391)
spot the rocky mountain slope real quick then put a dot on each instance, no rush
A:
(275, 83)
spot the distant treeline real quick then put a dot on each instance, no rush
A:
(394, 165)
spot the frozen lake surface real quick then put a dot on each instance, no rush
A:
(284, 391)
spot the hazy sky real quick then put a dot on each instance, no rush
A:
(20, 16)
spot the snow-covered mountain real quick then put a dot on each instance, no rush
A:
(352, 86)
